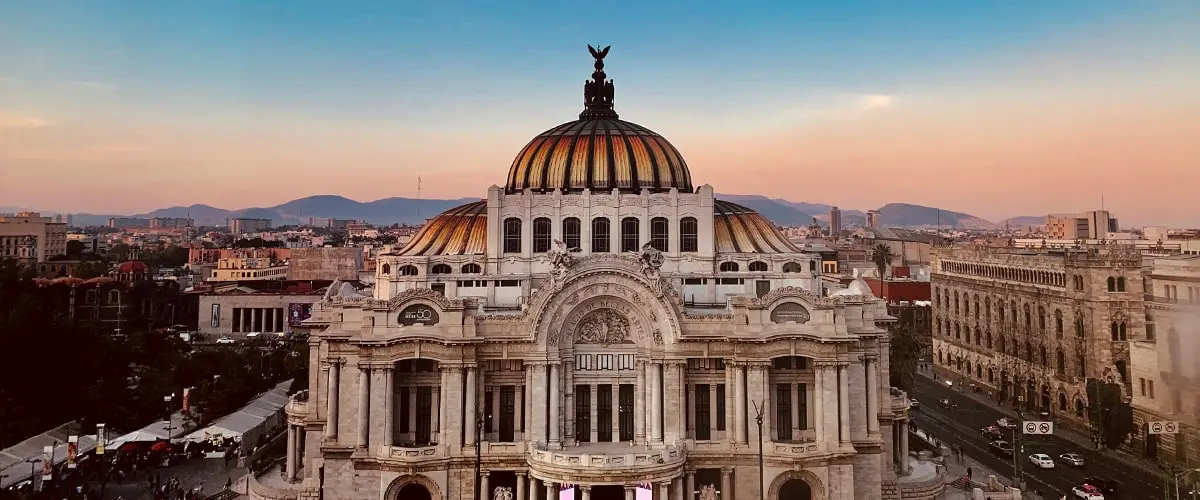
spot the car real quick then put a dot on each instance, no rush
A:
(1001, 447)
(1072, 459)
(1006, 423)
(914, 404)
(226, 340)
(1087, 492)
(948, 404)
(1041, 460)
(1106, 486)
(992, 433)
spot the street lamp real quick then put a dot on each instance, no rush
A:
(167, 401)
(758, 419)
(478, 452)
(1180, 474)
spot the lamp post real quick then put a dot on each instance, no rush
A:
(1181, 474)
(167, 404)
(102, 437)
(33, 471)
(758, 419)
(478, 453)
(1018, 450)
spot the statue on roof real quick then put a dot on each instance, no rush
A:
(651, 259)
(598, 92)
(560, 262)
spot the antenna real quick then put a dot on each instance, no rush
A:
(418, 197)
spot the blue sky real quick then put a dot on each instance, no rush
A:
(181, 90)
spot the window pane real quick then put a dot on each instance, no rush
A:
(600, 235)
(659, 233)
(688, 240)
(541, 235)
(571, 228)
(629, 234)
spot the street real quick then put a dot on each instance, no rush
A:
(962, 426)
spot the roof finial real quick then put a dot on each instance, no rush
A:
(598, 92)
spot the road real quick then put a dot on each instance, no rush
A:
(962, 426)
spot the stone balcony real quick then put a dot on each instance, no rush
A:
(297, 407)
(899, 401)
(608, 463)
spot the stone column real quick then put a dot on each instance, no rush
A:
(678, 484)
(533, 487)
(551, 491)
(568, 400)
(872, 366)
(656, 408)
(333, 393)
(843, 404)
(712, 412)
(388, 395)
(586, 491)
(739, 404)
(664, 490)
(364, 405)
(726, 484)
(639, 406)
(519, 410)
(904, 447)
(469, 416)
(483, 485)
(795, 410)
(451, 407)
(540, 401)
(435, 417)
(593, 416)
(520, 486)
(555, 423)
(730, 405)
(616, 411)
(757, 391)
(819, 397)
(630, 492)
(690, 397)
(291, 452)
(689, 486)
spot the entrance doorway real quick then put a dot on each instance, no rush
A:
(795, 489)
(608, 492)
(414, 491)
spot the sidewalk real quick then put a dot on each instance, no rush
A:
(1141, 463)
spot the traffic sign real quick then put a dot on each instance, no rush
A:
(1163, 427)
(1037, 427)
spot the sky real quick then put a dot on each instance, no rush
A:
(994, 108)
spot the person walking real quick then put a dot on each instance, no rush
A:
(968, 474)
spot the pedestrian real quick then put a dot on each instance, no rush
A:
(228, 483)
(968, 474)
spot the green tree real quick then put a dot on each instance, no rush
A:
(904, 352)
(89, 269)
(75, 248)
(117, 253)
(882, 256)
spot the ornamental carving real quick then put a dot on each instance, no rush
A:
(560, 263)
(425, 294)
(604, 327)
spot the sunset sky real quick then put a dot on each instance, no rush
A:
(994, 108)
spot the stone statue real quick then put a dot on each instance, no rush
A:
(502, 493)
(604, 327)
(708, 492)
(651, 259)
(560, 262)
(332, 291)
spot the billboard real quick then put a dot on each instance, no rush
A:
(298, 313)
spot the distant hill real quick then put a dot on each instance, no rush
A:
(383, 212)
(202, 215)
(778, 211)
(908, 215)
(1024, 221)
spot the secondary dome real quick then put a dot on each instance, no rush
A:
(599, 151)
(462, 230)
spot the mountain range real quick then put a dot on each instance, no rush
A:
(415, 211)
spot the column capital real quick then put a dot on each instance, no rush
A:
(726, 471)
(335, 361)
(365, 366)
(520, 474)
(870, 358)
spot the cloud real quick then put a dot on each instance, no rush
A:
(18, 119)
(875, 101)
(92, 85)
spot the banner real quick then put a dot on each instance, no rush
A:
(47, 463)
(100, 439)
(187, 391)
(72, 450)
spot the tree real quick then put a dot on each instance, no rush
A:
(1110, 416)
(882, 256)
(75, 248)
(904, 351)
(117, 252)
(89, 269)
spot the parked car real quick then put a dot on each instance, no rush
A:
(1106, 486)
(1072, 459)
(1001, 447)
(1006, 423)
(1041, 460)
(1087, 492)
(948, 404)
(992, 433)
(914, 404)
(226, 340)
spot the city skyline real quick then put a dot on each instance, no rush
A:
(988, 109)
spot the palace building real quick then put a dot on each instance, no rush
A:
(598, 328)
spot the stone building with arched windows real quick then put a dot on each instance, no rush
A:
(598, 324)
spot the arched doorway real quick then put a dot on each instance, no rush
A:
(795, 489)
(414, 491)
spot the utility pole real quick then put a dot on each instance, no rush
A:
(758, 418)
(1018, 448)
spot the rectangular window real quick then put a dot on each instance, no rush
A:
(489, 415)
(424, 425)
(583, 413)
(703, 412)
(237, 320)
(404, 424)
(720, 407)
(783, 412)
(802, 402)
(604, 413)
(694, 281)
(508, 406)
(625, 425)
(1150, 384)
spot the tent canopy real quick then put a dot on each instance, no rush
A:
(258, 414)
(13, 465)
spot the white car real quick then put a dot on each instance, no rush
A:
(226, 340)
(1041, 460)
(1006, 423)
(1087, 492)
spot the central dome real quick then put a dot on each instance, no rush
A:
(599, 151)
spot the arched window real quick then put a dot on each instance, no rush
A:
(1003, 344)
(541, 235)
(440, 269)
(409, 270)
(1112, 284)
(988, 338)
(1028, 351)
(689, 235)
(729, 267)
(978, 337)
(1060, 362)
(1079, 326)
(1041, 355)
(955, 302)
(385, 269)
(660, 233)
(1058, 322)
(966, 305)
(1028, 317)
(957, 331)
(967, 332)
(629, 234)
(1118, 331)
(1062, 402)
(601, 235)
(758, 267)
(1015, 312)
(571, 228)
(114, 296)
(1121, 284)
(791, 267)
(512, 235)
(1041, 318)
(987, 309)
(471, 269)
